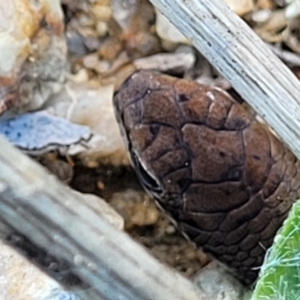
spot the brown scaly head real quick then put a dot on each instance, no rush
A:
(222, 176)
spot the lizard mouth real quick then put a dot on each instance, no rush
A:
(149, 182)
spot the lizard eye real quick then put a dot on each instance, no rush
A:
(145, 178)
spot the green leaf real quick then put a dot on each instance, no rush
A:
(279, 277)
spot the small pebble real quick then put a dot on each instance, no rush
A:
(100, 185)
(101, 12)
(75, 42)
(90, 61)
(170, 230)
(101, 28)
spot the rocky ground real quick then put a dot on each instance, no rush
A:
(103, 41)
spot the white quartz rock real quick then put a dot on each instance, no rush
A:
(240, 7)
(167, 31)
(102, 208)
(92, 107)
(32, 53)
(215, 282)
